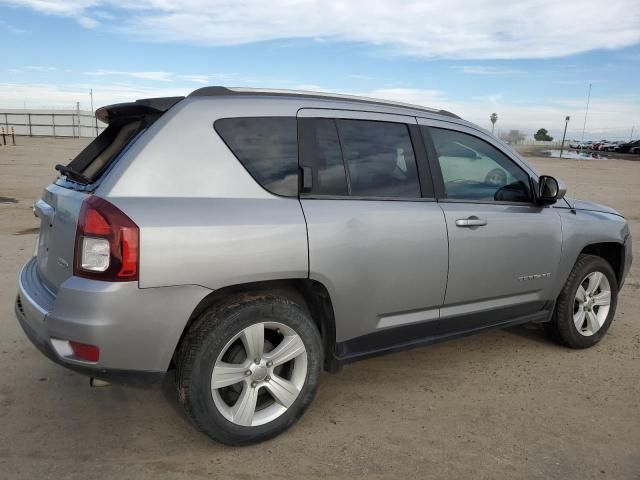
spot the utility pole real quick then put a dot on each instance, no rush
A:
(78, 116)
(94, 113)
(631, 136)
(494, 118)
(566, 122)
(585, 114)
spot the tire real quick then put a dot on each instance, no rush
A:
(564, 327)
(227, 333)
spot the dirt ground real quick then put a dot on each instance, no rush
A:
(506, 404)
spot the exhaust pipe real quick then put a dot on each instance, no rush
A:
(96, 382)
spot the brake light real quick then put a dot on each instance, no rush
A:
(106, 243)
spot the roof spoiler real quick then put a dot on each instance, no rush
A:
(145, 106)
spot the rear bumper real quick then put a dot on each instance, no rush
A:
(136, 329)
(129, 377)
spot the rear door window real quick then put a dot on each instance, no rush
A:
(267, 147)
(379, 158)
(360, 158)
(321, 149)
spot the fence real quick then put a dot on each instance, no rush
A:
(532, 141)
(52, 123)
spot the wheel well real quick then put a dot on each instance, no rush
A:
(310, 294)
(611, 252)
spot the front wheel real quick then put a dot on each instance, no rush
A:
(587, 303)
(248, 368)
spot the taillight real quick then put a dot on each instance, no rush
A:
(106, 243)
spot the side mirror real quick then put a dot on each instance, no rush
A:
(550, 190)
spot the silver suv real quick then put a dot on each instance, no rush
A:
(249, 239)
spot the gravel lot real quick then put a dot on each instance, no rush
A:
(505, 404)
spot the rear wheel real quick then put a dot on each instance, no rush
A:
(248, 368)
(587, 303)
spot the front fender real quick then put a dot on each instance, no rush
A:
(582, 228)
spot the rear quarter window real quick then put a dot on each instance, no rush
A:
(267, 147)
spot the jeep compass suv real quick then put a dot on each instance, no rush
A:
(249, 239)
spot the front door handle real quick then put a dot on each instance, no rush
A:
(472, 221)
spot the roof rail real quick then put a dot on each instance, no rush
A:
(218, 91)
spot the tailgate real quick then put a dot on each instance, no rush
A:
(60, 204)
(58, 211)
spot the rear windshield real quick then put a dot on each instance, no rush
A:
(267, 147)
(98, 155)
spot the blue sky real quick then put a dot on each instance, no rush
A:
(530, 62)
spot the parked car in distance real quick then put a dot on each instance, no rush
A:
(249, 239)
(613, 146)
(626, 147)
(635, 150)
(574, 144)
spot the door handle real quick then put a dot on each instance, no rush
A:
(44, 211)
(472, 221)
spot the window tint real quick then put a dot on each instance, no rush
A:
(472, 169)
(379, 158)
(330, 174)
(268, 149)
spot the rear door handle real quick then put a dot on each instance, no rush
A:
(472, 221)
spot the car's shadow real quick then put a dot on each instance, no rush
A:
(532, 331)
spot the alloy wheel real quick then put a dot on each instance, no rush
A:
(259, 374)
(591, 303)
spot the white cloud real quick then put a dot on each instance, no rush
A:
(358, 76)
(70, 8)
(40, 68)
(471, 29)
(10, 28)
(155, 76)
(201, 79)
(37, 95)
(87, 22)
(486, 70)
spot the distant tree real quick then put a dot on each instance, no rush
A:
(513, 137)
(543, 135)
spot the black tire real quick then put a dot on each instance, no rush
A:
(205, 341)
(562, 327)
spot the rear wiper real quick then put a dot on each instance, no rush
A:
(72, 174)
